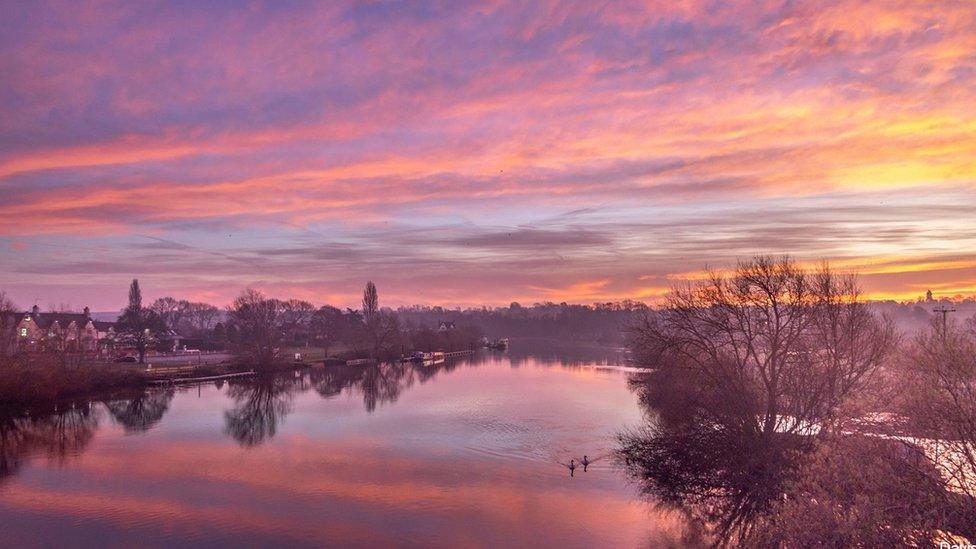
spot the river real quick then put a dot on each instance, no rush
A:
(465, 453)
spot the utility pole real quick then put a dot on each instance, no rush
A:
(944, 311)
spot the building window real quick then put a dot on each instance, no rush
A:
(23, 332)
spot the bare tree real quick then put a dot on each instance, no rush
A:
(297, 320)
(744, 365)
(199, 318)
(940, 388)
(170, 310)
(387, 336)
(256, 324)
(784, 346)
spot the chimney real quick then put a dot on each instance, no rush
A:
(35, 310)
(87, 312)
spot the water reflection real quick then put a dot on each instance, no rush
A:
(58, 435)
(141, 412)
(706, 456)
(565, 354)
(381, 383)
(343, 454)
(259, 405)
(378, 383)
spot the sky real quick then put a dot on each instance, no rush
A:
(467, 153)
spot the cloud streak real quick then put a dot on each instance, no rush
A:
(308, 147)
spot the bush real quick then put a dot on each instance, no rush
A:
(859, 491)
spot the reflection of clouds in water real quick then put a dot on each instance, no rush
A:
(426, 468)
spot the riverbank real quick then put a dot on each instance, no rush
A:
(43, 379)
(32, 380)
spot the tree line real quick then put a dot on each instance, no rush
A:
(259, 329)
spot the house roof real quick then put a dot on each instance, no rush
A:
(45, 320)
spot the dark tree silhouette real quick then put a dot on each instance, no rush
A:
(371, 303)
(7, 324)
(138, 324)
(749, 371)
(256, 328)
(784, 346)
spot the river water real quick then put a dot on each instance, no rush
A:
(465, 453)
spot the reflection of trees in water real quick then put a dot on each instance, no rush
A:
(704, 455)
(142, 412)
(259, 405)
(330, 382)
(262, 403)
(380, 383)
(58, 435)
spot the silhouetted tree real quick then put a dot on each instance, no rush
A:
(199, 319)
(297, 321)
(381, 328)
(330, 325)
(170, 311)
(783, 345)
(371, 303)
(748, 372)
(7, 324)
(256, 330)
(139, 324)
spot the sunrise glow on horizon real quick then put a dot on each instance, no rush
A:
(478, 153)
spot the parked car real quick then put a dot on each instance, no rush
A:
(126, 359)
